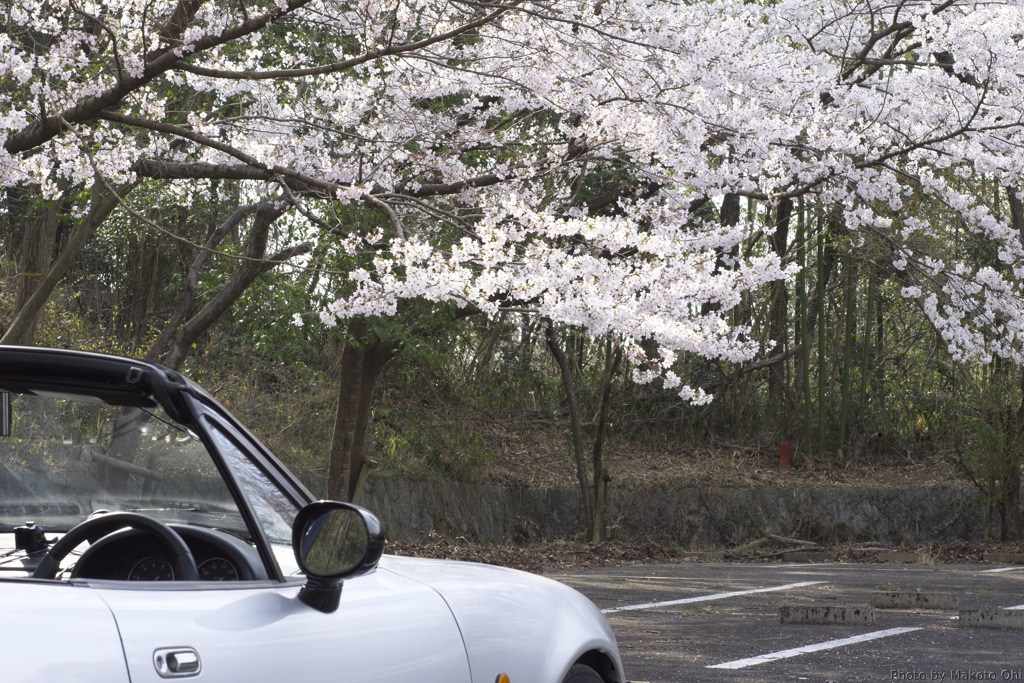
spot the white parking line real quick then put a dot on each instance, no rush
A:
(827, 645)
(705, 598)
(1015, 607)
(999, 570)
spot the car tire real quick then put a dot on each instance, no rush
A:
(581, 673)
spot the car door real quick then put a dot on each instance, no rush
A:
(387, 629)
(51, 631)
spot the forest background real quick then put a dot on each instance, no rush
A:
(490, 242)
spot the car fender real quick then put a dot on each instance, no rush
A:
(526, 626)
(53, 631)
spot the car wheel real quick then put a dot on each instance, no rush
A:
(581, 673)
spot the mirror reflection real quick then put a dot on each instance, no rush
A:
(334, 542)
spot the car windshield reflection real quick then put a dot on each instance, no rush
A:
(70, 457)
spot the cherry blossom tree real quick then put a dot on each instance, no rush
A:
(552, 158)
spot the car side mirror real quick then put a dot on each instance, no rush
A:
(332, 542)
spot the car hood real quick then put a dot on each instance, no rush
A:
(524, 625)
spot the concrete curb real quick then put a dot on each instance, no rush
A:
(913, 600)
(806, 556)
(710, 555)
(1004, 558)
(991, 618)
(832, 615)
(901, 558)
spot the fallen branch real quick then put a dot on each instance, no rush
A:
(783, 539)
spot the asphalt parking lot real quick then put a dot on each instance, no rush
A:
(720, 622)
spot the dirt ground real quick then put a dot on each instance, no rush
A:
(634, 466)
(540, 455)
(533, 450)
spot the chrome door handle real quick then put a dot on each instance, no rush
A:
(177, 662)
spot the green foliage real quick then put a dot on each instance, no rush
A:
(420, 449)
(991, 457)
(260, 326)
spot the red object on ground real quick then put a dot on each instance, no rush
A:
(785, 456)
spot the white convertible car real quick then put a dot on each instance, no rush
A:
(146, 535)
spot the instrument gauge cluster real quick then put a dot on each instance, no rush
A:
(218, 569)
(152, 568)
(134, 555)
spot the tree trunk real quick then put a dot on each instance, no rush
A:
(349, 384)
(130, 418)
(124, 445)
(102, 205)
(728, 215)
(849, 304)
(527, 341)
(375, 357)
(778, 318)
(142, 258)
(730, 212)
(36, 254)
(612, 361)
(820, 287)
(813, 304)
(865, 365)
(1011, 490)
(362, 361)
(879, 355)
(481, 368)
(360, 366)
(800, 381)
(574, 420)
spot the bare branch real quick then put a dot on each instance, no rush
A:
(389, 51)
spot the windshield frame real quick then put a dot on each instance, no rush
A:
(252, 521)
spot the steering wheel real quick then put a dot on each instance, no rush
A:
(96, 528)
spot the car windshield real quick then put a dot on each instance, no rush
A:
(69, 457)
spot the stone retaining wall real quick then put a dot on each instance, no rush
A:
(690, 517)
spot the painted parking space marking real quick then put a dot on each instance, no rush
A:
(817, 647)
(1015, 607)
(999, 570)
(705, 598)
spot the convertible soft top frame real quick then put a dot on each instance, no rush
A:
(114, 380)
(126, 382)
(123, 381)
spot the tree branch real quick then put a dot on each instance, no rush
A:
(389, 51)
(192, 280)
(157, 62)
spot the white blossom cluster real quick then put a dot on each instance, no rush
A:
(489, 146)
